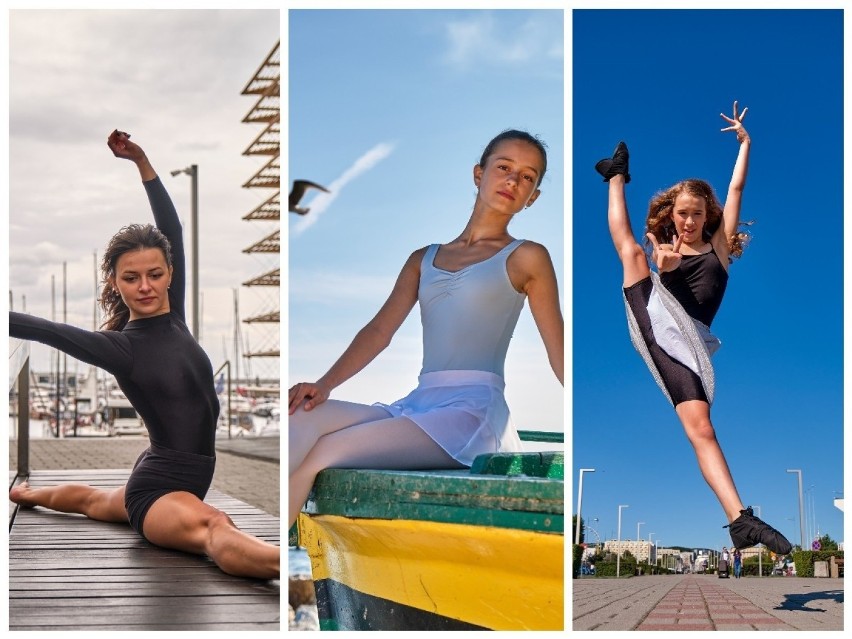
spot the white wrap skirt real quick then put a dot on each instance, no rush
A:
(464, 412)
(675, 346)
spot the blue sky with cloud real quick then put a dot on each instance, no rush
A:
(390, 110)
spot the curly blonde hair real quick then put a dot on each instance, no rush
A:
(660, 222)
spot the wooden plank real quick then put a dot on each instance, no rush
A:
(67, 572)
(451, 496)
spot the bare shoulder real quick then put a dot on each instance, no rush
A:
(412, 264)
(416, 257)
(531, 257)
(530, 265)
(419, 253)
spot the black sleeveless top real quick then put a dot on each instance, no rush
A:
(698, 284)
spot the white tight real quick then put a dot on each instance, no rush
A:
(339, 434)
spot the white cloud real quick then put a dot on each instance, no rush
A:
(73, 77)
(321, 202)
(481, 40)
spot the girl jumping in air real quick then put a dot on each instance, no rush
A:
(693, 238)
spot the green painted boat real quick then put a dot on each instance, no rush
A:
(440, 550)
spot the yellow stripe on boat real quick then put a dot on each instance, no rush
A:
(498, 578)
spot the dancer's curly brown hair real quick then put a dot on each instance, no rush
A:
(129, 238)
(660, 223)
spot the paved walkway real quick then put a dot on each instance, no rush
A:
(706, 602)
(247, 469)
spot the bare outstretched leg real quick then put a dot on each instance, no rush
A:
(695, 417)
(746, 529)
(95, 503)
(181, 521)
(306, 427)
(391, 444)
(629, 251)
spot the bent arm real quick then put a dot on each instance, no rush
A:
(540, 286)
(369, 341)
(166, 219)
(108, 350)
(165, 216)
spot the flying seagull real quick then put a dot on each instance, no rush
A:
(298, 191)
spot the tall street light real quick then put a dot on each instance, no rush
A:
(638, 524)
(810, 517)
(801, 506)
(580, 502)
(192, 172)
(618, 556)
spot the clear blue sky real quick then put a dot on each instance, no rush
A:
(659, 79)
(391, 110)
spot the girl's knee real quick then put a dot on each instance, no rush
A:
(217, 521)
(700, 430)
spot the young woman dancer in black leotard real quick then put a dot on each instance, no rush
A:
(168, 379)
(670, 312)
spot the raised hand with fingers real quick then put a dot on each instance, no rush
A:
(121, 147)
(736, 123)
(667, 257)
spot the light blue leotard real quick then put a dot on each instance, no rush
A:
(468, 315)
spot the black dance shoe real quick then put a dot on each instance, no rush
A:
(616, 165)
(748, 530)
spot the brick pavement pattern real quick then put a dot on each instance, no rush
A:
(705, 602)
(247, 478)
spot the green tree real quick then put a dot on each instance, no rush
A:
(827, 543)
(582, 529)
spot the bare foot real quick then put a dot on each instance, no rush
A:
(19, 494)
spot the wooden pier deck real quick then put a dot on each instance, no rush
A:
(67, 572)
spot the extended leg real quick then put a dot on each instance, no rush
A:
(630, 253)
(95, 503)
(695, 417)
(183, 522)
(391, 444)
(746, 529)
(306, 427)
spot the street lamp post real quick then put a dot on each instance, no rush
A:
(649, 548)
(192, 172)
(810, 517)
(801, 506)
(598, 544)
(580, 502)
(618, 556)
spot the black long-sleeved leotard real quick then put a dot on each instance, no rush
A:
(160, 367)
